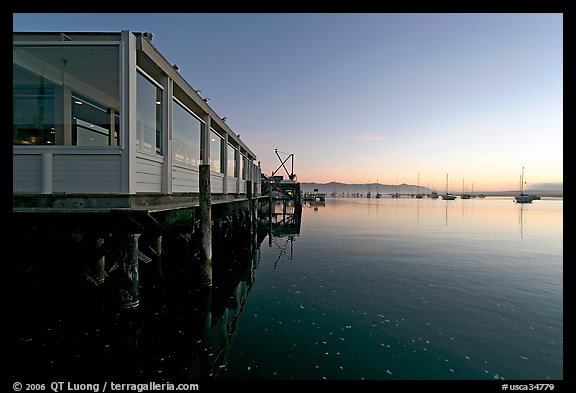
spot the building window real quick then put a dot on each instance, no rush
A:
(33, 109)
(216, 143)
(48, 80)
(242, 167)
(149, 104)
(231, 164)
(186, 130)
(92, 123)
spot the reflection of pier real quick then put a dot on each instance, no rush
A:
(315, 204)
(66, 321)
(284, 200)
(286, 218)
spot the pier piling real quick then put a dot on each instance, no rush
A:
(129, 280)
(206, 225)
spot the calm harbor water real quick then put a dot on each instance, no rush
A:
(374, 289)
(408, 289)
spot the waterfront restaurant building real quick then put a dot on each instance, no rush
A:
(107, 114)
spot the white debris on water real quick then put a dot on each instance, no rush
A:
(523, 357)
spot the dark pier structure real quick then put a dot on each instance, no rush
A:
(284, 199)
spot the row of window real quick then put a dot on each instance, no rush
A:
(67, 101)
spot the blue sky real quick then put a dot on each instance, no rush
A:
(359, 97)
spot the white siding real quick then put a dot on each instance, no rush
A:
(26, 173)
(217, 183)
(231, 185)
(87, 173)
(148, 174)
(185, 179)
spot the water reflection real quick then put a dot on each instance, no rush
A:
(521, 220)
(387, 289)
(68, 326)
(315, 204)
(286, 218)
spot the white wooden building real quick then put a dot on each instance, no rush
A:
(106, 113)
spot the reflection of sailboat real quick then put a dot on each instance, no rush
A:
(521, 221)
(522, 198)
(447, 196)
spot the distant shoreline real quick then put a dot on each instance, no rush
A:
(340, 188)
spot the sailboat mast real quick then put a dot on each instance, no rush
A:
(522, 182)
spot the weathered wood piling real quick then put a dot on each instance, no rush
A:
(206, 225)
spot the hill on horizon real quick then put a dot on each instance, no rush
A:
(544, 189)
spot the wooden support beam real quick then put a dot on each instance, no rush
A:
(270, 213)
(205, 225)
(129, 283)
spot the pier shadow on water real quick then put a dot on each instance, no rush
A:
(68, 322)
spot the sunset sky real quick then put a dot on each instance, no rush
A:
(360, 97)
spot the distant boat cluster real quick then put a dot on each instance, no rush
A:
(406, 190)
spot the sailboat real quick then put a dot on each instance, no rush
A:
(334, 193)
(464, 194)
(522, 198)
(397, 193)
(369, 194)
(447, 196)
(418, 194)
(378, 195)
